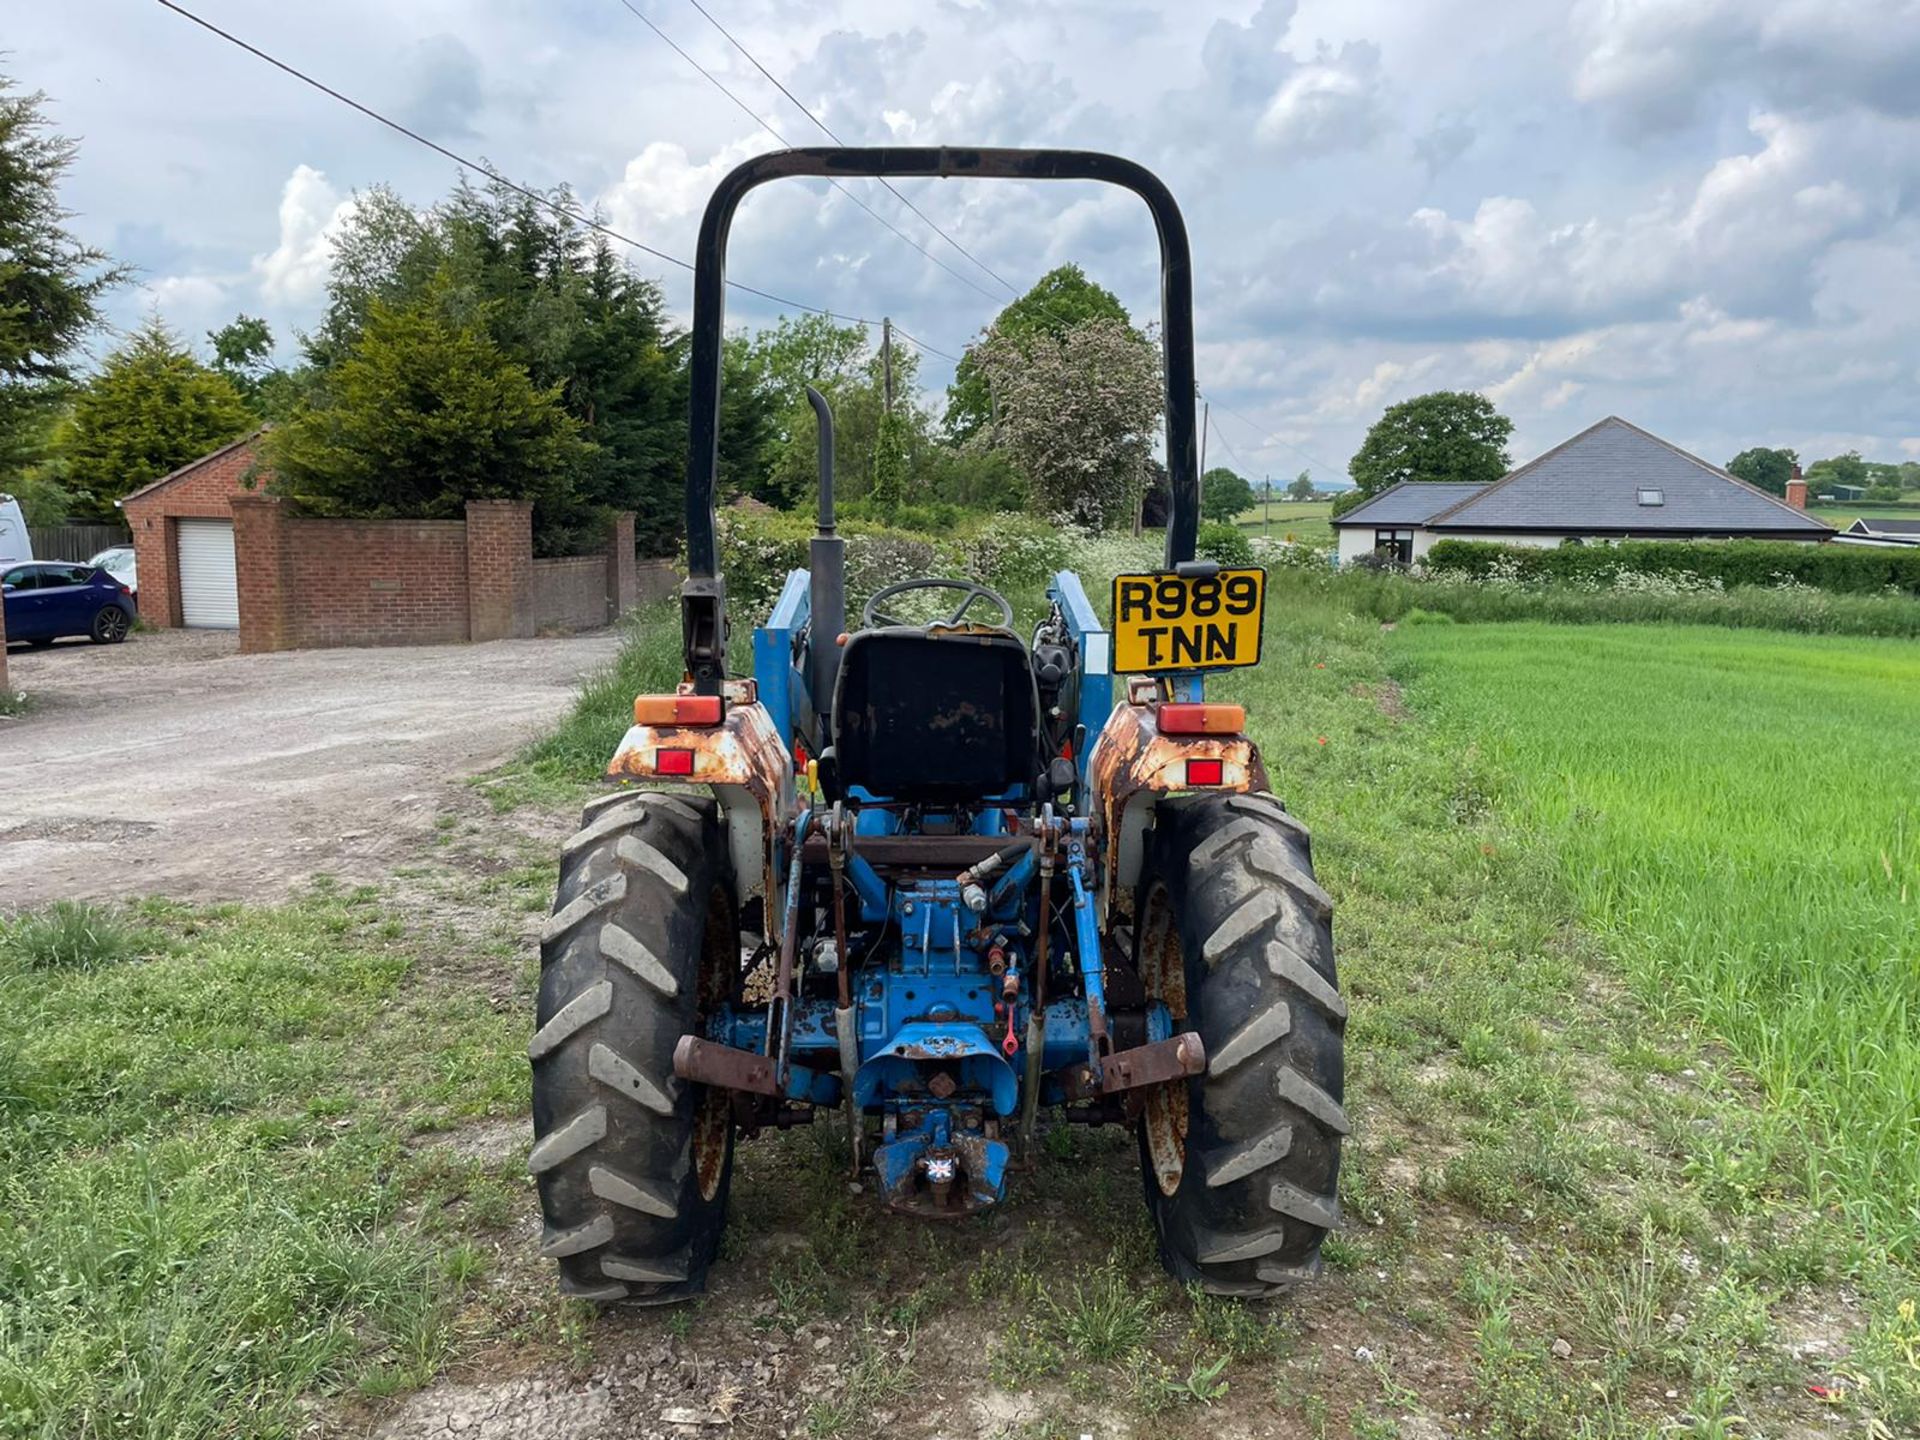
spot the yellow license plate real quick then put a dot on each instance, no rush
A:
(1164, 623)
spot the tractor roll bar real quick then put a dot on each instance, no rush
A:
(703, 597)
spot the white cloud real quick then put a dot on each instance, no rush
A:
(663, 184)
(1331, 104)
(312, 213)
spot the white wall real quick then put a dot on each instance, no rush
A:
(1425, 540)
(1356, 541)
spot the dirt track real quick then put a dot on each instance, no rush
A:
(172, 765)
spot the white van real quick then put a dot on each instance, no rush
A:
(15, 543)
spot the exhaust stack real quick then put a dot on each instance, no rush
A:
(827, 566)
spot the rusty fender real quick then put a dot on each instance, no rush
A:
(743, 765)
(1133, 766)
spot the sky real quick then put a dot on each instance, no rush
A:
(1701, 215)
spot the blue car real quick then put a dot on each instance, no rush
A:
(46, 600)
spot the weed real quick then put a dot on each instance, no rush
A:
(1107, 1317)
(72, 935)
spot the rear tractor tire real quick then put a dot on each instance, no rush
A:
(1234, 934)
(633, 1164)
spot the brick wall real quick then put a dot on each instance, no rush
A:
(204, 490)
(500, 568)
(570, 593)
(310, 583)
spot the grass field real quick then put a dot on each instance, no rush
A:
(243, 1190)
(1304, 524)
(1841, 515)
(1736, 817)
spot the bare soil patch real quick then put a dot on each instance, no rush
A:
(173, 765)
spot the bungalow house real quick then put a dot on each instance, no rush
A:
(1881, 530)
(1612, 481)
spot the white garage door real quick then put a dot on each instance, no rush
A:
(209, 595)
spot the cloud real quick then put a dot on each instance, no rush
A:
(1255, 91)
(1332, 104)
(312, 214)
(1654, 64)
(444, 75)
(1746, 238)
(663, 184)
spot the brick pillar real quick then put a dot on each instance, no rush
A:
(623, 576)
(500, 569)
(263, 566)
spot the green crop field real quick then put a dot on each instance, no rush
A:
(1842, 514)
(1304, 523)
(1738, 818)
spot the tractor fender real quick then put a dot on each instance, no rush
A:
(1134, 769)
(741, 763)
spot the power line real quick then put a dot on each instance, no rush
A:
(1268, 437)
(827, 130)
(922, 345)
(757, 119)
(546, 201)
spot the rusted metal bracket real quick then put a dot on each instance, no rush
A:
(1153, 1064)
(723, 1067)
(705, 1062)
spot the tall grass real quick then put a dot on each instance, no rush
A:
(1738, 817)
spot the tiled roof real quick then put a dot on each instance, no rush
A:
(1593, 484)
(1409, 503)
(1883, 525)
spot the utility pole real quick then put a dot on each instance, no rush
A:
(1266, 527)
(886, 358)
(1206, 423)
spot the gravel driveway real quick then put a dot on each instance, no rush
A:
(171, 765)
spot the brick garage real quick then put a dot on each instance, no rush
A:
(309, 583)
(203, 489)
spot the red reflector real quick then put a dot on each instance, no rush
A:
(676, 710)
(1203, 772)
(680, 762)
(1188, 718)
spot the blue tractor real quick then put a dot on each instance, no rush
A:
(948, 881)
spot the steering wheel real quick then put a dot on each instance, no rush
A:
(875, 614)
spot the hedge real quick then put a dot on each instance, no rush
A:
(1400, 597)
(1837, 569)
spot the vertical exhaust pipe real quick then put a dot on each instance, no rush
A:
(827, 567)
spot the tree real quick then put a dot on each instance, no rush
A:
(243, 352)
(424, 414)
(51, 284)
(889, 464)
(1076, 415)
(558, 301)
(1451, 435)
(1058, 301)
(1768, 469)
(1847, 469)
(1301, 488)
(151, 409)
(1223, 494)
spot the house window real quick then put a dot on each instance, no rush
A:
(1653, 497)
(1394, 545)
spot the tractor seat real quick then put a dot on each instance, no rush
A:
(936, 715)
